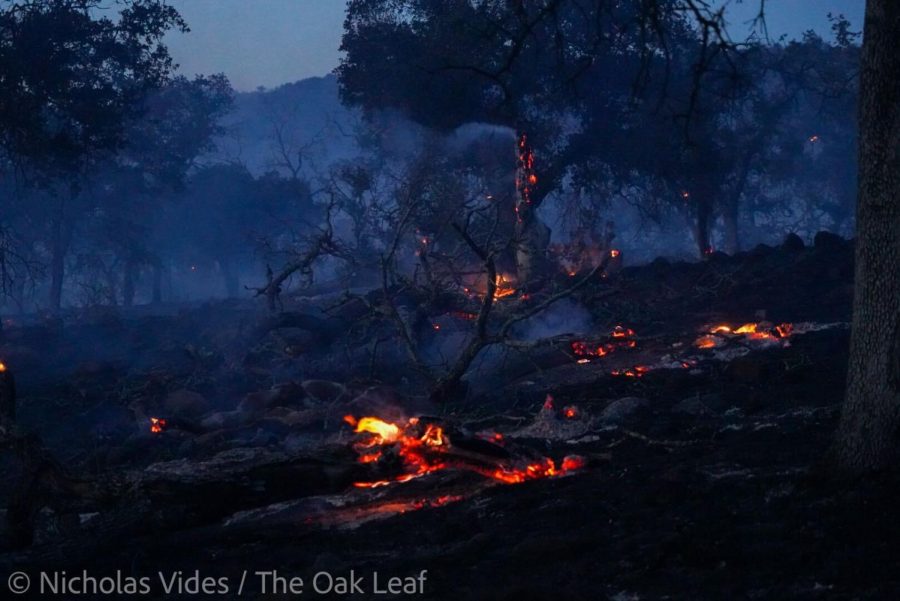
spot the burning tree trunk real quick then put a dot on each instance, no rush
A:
(867, 437)
(532, 236)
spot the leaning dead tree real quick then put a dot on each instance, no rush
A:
(312, 248)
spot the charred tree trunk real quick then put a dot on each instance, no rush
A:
(58, 251)
(702, 215)
(867, 435)
(157, 281)
(732, 233)
(232, 285)
(128, 278)
(7, 396)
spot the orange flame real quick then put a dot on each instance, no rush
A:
(706, 342)
(422, 451)
(384, 432)
(157, 425)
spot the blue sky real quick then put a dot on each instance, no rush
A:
(270, 42)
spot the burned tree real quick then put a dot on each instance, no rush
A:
(867, 438)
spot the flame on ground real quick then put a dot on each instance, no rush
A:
(504, 286)
(423, 448)
(157, 425)
(620, 337)
(718, 335)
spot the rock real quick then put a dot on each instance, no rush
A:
(761, 250)
(692, 406)
(793, 243)
(323, 391)
(293, 341)
(225, 419)
(186, 403)
(828, 241)
(623, 409)
(287, 394)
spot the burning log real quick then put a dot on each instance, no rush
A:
(422, 446)
(620, 337)
(763, 332)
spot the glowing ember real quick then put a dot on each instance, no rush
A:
(425, 447)
(504, 287)
(784, 330)
(635, 372)
(526, 178)
(621, 337)
(614, 253)
(707, 342)
(571, 412)
(765, 332)
(548, 403)
(622, 332)
(494, 437)
(2, 367)
(157, 425)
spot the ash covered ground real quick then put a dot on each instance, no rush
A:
(699, 474)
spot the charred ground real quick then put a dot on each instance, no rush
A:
(702, 482)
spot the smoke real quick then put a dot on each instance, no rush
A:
(565, 316)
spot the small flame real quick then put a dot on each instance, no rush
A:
(614, 253)
(423, 451)
(622, 332)
(503, 287)
(384, 432)
(548, 403)
(2, 367)
(157, 425)
(707, 342)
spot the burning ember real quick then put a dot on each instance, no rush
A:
(157, 425)
(526, 178)
(2, 367)
(504, 287)
(762, 331)
(620, 337)
(425, 447)
(635, 372)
